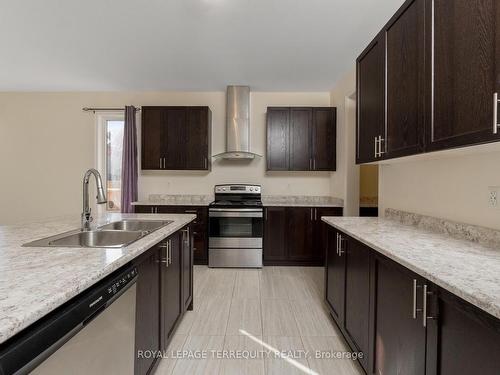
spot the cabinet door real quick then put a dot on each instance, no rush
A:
(464, 64)
(173, 137)
(275, 234)
(147, 335)
(197, 138)
(324, 139)
(463, 338)
(320, 231)
(171, 305)
(357, 293)
(151, 125)
(300, 228)
(300, 139)
(405, 50)
(144, 209)
(399, 334)
(335, 277)
(370, 68)
(278, 133)
(187, 268)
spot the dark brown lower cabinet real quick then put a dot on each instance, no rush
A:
(403, 323)
(463, 340)
(296, 236)
(187, 268)
(199, 226)
(335, 277)
(275, 234)
(399, 331)
(300, 233)
(357, 294)
(164, 293)
(147, 310)
(170, 287)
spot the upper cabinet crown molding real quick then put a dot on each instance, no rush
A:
(301, 138)
(176, 138)
(428, 80)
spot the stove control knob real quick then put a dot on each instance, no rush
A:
(251, 189)
(223, 189)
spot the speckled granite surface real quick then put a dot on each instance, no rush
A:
(481, 235)
(468, 269)
(301, 201)
(267, 200)
(35, 280)
(176, 200)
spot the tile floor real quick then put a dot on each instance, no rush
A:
(244, 311)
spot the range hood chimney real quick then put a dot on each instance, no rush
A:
(237, 124)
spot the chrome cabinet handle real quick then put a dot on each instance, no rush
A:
(495, 113)
(424, 309)
(206, 162)
(311, 214)
(338, 244)
(314, 164)
(375, 154)
(310, 163)
(265, 214)
(160, 162)
(380, 140)
(341, 239)
(190, 211)
(415, 310)
(315, 214)
(164, 260)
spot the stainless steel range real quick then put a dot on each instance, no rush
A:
(235, 227)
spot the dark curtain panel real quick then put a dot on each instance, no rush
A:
(129, 161)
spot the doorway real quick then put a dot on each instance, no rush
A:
(368, 190)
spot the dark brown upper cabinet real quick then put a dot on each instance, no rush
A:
(324, 131)
(429, 80)
(405, 82)
(176, 138)
(301, 139)
(278, 139)
(370, 66)
(465, 66)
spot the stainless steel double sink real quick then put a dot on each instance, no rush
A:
(113, 235)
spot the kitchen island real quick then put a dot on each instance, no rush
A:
(35, 281)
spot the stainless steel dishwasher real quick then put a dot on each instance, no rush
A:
(94, 333)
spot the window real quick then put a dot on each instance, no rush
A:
(109, 157)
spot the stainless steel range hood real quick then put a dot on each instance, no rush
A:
(237, 124)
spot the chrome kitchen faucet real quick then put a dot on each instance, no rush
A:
(101, 196)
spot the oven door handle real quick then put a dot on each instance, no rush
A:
(225, 213)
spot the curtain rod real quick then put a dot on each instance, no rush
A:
(87, 109)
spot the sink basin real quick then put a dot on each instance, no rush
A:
(93, 238)
(136, 225)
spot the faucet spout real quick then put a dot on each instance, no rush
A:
(101, 196)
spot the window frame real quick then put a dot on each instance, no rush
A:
(100, 156)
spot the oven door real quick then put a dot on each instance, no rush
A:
(235, 228)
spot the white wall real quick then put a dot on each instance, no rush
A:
(47, 142)
(343, 97)
(453, 187)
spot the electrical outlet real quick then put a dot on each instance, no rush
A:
(493, 192)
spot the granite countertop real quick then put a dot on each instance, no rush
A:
(267, 200)
(468, 269)
(175, 200)
(301, 201)
(36, 280)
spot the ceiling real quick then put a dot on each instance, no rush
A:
(271, 45)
